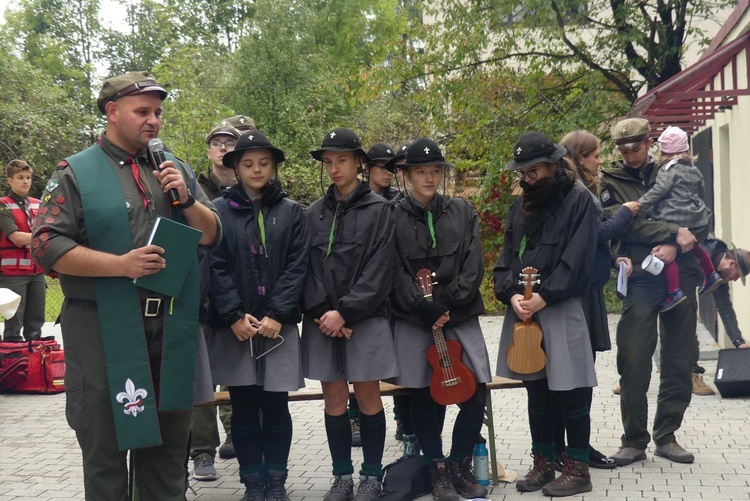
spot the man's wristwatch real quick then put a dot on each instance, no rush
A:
(190, 200)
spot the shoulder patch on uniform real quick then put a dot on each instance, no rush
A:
(607, 197)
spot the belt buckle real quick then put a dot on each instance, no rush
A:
(153, 305)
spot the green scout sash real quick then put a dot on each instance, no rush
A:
(120, 316)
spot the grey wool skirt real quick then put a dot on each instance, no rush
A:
(412, 342)
(570, 362)
(368, 356)
(232, 363)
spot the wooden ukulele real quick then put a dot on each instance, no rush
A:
(525, 354)
(452, 382)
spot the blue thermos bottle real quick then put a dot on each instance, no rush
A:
(481, 462)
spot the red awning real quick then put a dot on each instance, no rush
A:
(688, 99)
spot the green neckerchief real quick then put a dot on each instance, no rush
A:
(118, 301)
(431, 227)
(332, 235)
(262, 227)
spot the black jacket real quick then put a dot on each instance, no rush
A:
(238, 275)
(564, 255)
(355, 278)
(456, 260)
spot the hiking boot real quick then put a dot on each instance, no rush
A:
(341, 490)
(399, 430)
(226, 451)
(440, 480)
(411, 446)
(700, 387)
(464, 481)
(204, 469)
(673, 299)
(275, 490)
(356, 435)
(254, 484)
(574, 480)
(628, 455)
(713, 281)
(540, 475)
(674, 452)
(369, 488)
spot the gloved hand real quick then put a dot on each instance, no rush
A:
(430, 311)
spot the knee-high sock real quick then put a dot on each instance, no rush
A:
(372, 428)
(339, 432)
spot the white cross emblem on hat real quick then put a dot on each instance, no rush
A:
(250, 137)
(224, 123)
(242, 121)
(426, 151)
(333, 134)
(518, 150)
(388, 151)
(624, 131)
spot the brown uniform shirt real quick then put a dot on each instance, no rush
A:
(59, 226)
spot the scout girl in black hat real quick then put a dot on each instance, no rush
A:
(257, 276)
(379, 176)
(552, 227)
(345, 332)
(439, 233)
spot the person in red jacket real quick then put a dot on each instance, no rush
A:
(20, 273)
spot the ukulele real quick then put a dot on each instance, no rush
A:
(452, 382)
(525, 354)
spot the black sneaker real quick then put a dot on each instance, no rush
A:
(226, 451)
(369, 489)
(341, 490)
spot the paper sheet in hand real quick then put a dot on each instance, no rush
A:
(180, 244)
(622, 280)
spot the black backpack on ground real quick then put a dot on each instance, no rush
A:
(405, 479)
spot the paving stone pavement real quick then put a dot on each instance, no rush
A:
(40, 459)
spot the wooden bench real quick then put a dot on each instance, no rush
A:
(498, 383)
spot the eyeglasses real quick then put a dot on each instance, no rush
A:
(216, 145)
(531, 174)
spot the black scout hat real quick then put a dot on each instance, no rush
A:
(340, 139)
(424, 152)
(128, 84)
(222, 130)
(252, 140)
(380, 151)
(400, 153)
(630, 131)
(533, 148)
(239, 122)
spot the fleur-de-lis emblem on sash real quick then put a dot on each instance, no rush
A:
(132, 398)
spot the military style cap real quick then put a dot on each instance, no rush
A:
(380, 151)
(630, 130)
(239, 122)
(252, 140)
(136, 82)
(340, 139)
(533, 148)
(222, 130)
(424, 152)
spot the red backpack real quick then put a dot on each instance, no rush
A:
(32, 366)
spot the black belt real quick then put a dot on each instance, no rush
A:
(150, 306)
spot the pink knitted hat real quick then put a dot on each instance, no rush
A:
(673, 140)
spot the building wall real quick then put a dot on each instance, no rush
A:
(730, 133)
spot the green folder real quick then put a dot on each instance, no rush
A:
(180, 244)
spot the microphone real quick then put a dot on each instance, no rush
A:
(156, 157)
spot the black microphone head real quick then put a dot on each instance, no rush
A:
(155, 144)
